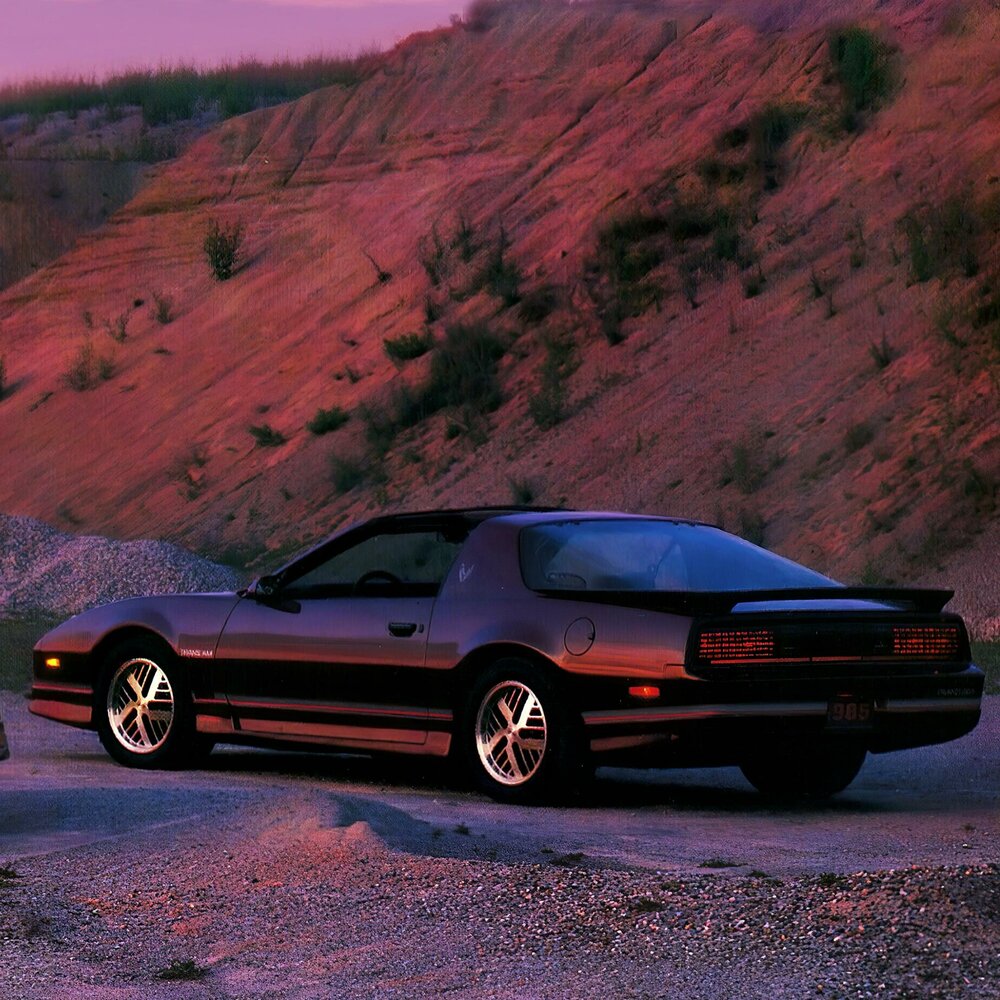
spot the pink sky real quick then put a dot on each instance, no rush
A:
(53, 37)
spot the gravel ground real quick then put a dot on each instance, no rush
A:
(290, 894)
(294, 903)
(45, 570)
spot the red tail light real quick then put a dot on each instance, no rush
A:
(920, 641)
(732, 645)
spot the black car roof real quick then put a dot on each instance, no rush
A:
(476, 515)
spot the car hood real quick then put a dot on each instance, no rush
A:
(180, 619)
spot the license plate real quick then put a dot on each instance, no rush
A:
(850, 713)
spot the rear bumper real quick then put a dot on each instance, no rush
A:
(720, 730)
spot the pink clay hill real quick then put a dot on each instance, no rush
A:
(692, 273)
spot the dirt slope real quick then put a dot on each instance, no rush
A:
(813, 393)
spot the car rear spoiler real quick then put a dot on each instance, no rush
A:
(716, 602)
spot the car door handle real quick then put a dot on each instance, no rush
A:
(402, 629)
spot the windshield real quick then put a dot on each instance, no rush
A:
(652, 555)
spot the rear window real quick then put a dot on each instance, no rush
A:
(650, 556)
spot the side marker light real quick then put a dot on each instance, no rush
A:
(644, 691)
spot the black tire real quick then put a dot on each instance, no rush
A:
(143, 710)
(811, 771)
(537, 754)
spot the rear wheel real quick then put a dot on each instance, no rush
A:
(144, 713)
(519, 740)
(795, 772)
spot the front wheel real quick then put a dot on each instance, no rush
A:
(814, 771)
(519, 740)
(144, 713)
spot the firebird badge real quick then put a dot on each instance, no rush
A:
(464, 572)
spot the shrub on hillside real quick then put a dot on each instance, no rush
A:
(266, 436)
(88, 369)
(464, 370)
(408, 346)
(481, 15)
(857, 436)
(769, 129)
(222, 246)
(326, 421)
(346, 473)
(163, 308)
(537, 305)
(942, 238)
(548, 404)
(502, 276)
(463, 378)
(863, 65)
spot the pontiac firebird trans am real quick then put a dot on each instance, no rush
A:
(529, 644)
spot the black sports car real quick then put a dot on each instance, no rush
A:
(529, 644)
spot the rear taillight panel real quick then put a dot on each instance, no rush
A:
(731, 643)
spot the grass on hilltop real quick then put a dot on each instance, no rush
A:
(177, 93)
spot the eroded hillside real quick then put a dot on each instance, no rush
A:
(665, 259)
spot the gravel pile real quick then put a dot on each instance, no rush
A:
(45, 570)
(291, 908)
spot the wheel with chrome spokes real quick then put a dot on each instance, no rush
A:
(519, 739)
(140, 705)
(511, 735)
(144, 713)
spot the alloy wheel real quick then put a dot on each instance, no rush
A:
(140, 705)
(511, 733)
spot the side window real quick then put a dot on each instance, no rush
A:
(395, 564)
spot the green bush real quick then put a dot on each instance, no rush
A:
(464, 239)
(222, 246)
(501, 276)
(857, 436)
(626, 253)
(117, 329)
(863, 66)
(88, 369)
(464, 371)
(266, 436)
(537, 305)
(463, 378)
(346, 474)
(162, 311)
(326, 421)
(548, 404)
(186, 970)
(408, 346)
(433, 257)
(942, 238)
(745, 468)
(689, 219)
(769, 129)
(714, 171)
(522, 493)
